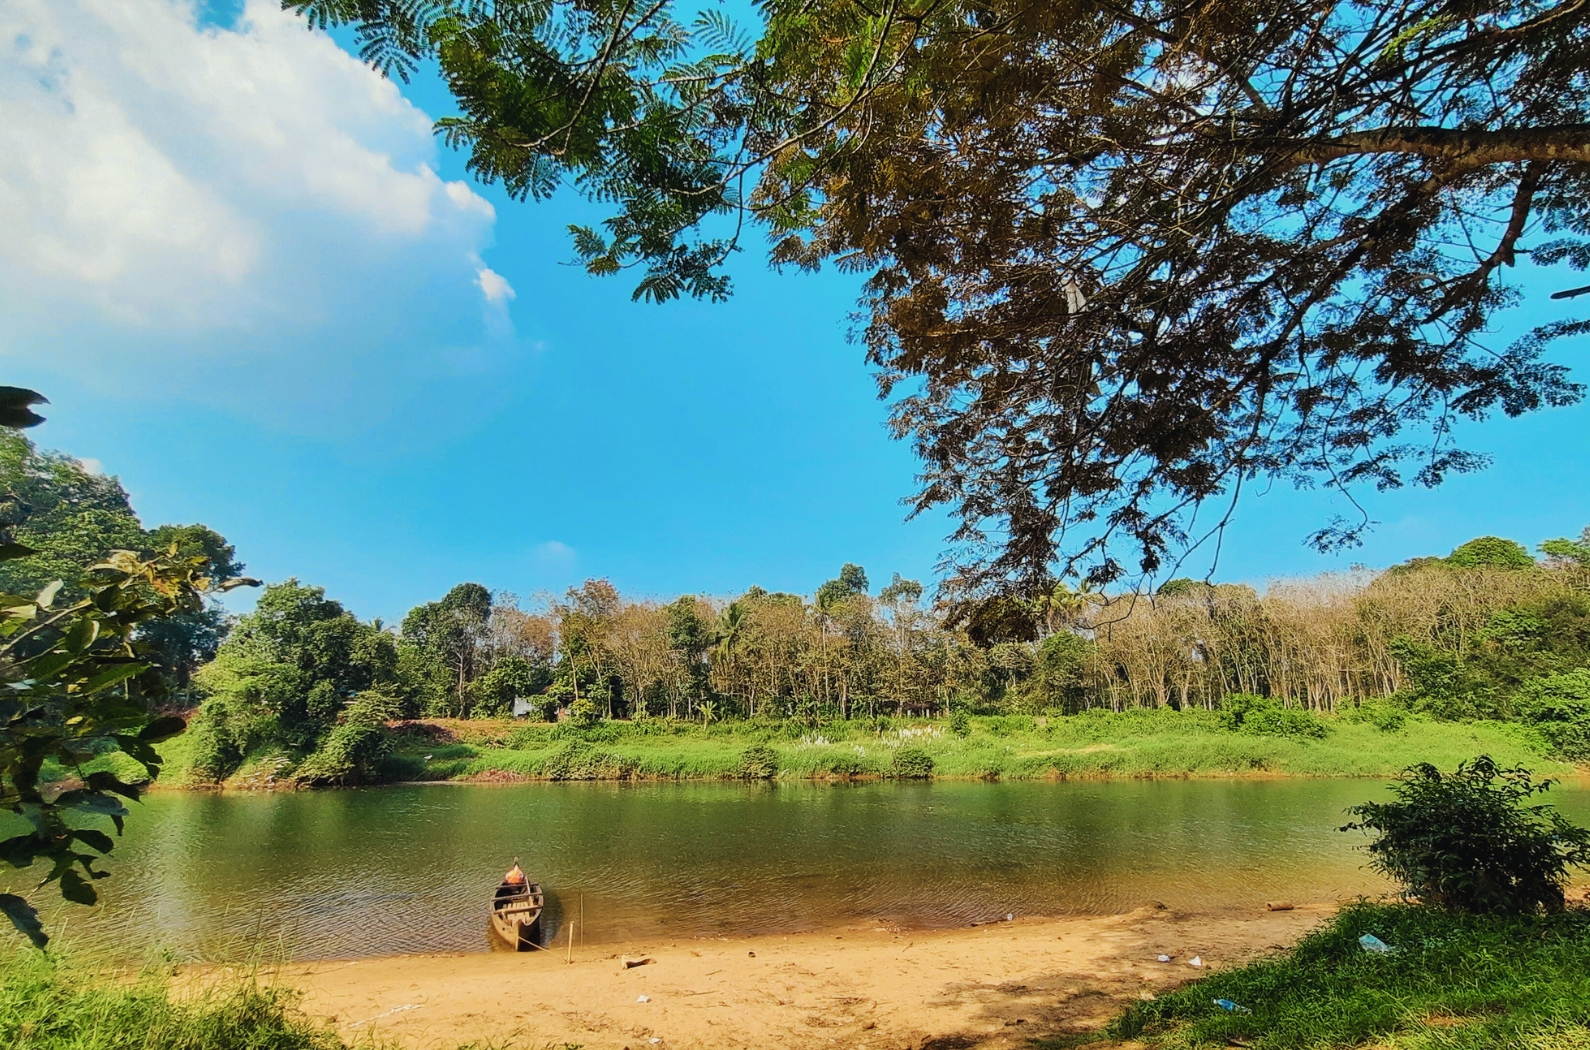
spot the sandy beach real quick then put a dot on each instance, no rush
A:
(997, 985)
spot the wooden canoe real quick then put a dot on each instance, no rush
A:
(516, 914)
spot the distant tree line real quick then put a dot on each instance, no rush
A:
(1489, 631)
(1486, 632)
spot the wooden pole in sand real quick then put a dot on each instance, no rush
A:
(571, 943)
(582, 920)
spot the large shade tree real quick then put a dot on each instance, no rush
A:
(1124, 256)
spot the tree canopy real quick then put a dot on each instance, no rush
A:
(71, 517)
(1123, 257)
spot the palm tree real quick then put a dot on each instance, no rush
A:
(734, 623)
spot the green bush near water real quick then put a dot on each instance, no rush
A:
(1455, 982)
(759, 762)
(46, 1004)
(1468, 841)
(911, 763)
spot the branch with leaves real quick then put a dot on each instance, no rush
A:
(1124, 257)
(76, 684)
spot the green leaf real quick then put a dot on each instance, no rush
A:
(25, 918)
(76, 889)
(101, 780)
(94, 839)
(45, 666)
(47, 595)
(112, 675)
(20, 851)
(163, 728)
(100, 803)
(81, 634)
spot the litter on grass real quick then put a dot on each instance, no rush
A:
(1370, 943)
(1231, 1008)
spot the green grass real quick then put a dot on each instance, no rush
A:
(1146, 743)
(1456, 982)
(47, 1004)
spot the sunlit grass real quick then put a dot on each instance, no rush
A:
(48, 1004)
(1454, 983)
(1160, 743)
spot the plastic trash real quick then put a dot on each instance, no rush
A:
(1164, 958)
(1010, 917)
(1370, 943)
(1196, 962)
(1231, 1008)
(644, 999)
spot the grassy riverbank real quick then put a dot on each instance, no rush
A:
(47, 1004)
(1130, 744)
(1454, 982)
(1139, 743)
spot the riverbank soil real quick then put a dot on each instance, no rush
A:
(994, 986)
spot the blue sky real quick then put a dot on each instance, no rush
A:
(256, 291)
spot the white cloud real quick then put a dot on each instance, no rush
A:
(179, 181)
(494, 286)
(553, 557)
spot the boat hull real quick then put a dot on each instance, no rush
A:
(516, 915)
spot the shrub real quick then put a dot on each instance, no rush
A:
(1385, 715)
(580, 761)
(1464, 842)
(759, 763)
(223, 732)
(1559, 706)
(584, 712)
(961, 724)
(356, 749)
(1262, 716)
(912, 763)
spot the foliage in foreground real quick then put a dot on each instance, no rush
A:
(49, 1005)
(1455, 982)
(78, 684)
(1465, 841)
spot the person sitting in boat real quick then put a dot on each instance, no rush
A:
(513, 883)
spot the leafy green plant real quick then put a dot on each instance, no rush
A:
(356, 749)
(577, 760)
(1559, 706)
(1263, 716)
(78, 683)
(759, 762)
(961, 724)
(1466, 842)
(912, 763)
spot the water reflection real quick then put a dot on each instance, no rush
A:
(408, 869)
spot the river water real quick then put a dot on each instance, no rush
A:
(331, 874)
